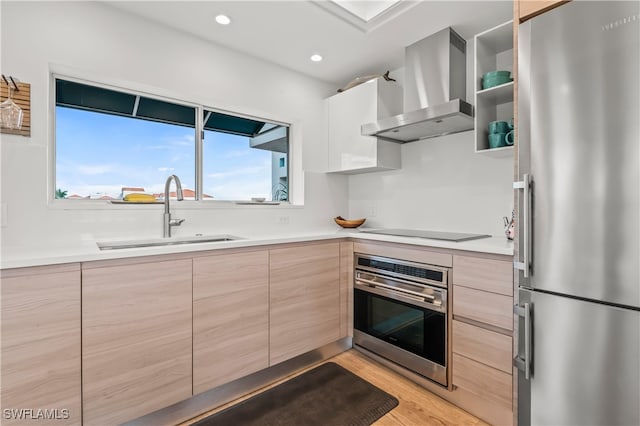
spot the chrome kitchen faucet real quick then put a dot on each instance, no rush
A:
(168, 222)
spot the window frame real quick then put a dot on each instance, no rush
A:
(151, 93)
(200, 144)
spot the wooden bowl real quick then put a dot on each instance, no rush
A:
(348, 223)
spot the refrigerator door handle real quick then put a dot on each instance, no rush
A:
(523, 363)
(525, 185)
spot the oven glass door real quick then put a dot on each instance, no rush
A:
(415, 329)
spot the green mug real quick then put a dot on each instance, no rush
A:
(509, 138)
(498, 127)
(497, 140)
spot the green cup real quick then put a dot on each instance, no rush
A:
(497, 140)
(509, 138)
(494, 74)
(495, 78)
(498, 127)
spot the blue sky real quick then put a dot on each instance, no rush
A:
(100, 153)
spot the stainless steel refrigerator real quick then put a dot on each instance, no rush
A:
(578, 215)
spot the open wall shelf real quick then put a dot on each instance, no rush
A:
(493, 51)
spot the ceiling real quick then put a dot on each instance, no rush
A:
(289, 32)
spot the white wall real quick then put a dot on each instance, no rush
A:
(96, 41)
(443, 185)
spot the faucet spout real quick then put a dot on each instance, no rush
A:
(168, 222)
(179, 194)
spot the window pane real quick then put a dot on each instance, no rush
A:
(98, 154)
(110, 142)
(244, 158)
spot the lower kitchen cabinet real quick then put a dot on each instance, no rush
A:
(485, 346)
(346, 289)
(109, 341)
(304, 298)
(136, 338)
(482, 306)
(230, 317)
(40, 354)
(482, 337)
(489, 383)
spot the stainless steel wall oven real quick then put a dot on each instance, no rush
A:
(401, 313)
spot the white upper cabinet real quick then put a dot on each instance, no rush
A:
(493, 52)
(349, 151)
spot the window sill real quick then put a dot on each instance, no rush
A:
(80, 205)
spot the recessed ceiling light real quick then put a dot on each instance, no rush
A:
(223, 20)
(316, 58)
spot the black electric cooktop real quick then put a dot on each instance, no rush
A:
(433, 235)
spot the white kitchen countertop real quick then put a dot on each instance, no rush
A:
(23, 256)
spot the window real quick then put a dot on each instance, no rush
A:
(109, 143)
(242, 157)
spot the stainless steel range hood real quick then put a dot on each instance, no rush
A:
(434, 91)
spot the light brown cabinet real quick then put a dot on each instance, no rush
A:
(304, 299)
(490, 275)
(488, 308)
(230, 317)
(41, 344)
(493, 385)
(485, 346)
(482, 336)
(346, 289)
(530, 8)
(151, 332)
(136, 338)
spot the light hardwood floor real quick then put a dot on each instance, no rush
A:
(417, 405)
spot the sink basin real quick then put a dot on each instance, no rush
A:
(200, 239)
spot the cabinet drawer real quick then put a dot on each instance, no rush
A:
(488, 347)
(489, 383)
(489, 308)
(495, 276)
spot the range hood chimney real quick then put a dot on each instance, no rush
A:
(434, 91)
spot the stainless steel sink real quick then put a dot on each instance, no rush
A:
(200, 239)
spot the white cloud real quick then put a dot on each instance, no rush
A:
(254, 170)
(237, 153)
(240, 191)
(240, 187)
(166, 169)
(95, 169)
(186, 141)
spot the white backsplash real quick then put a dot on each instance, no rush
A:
(443, 185)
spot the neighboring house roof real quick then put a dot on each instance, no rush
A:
(186, 193)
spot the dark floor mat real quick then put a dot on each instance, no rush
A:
(326, 395)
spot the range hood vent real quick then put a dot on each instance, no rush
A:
(435, 86)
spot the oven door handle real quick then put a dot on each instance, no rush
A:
(392, 293)
(392, 288)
